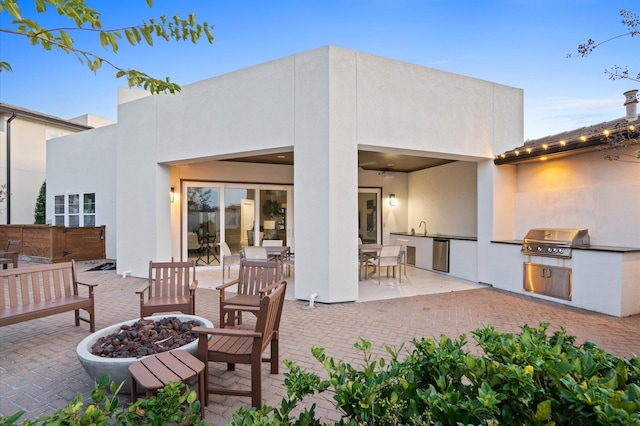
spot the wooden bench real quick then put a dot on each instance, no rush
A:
(38, 291)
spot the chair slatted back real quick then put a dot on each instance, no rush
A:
(13, 246)
(38, 284)
(255, 275)
(171, 278)
(268, 321)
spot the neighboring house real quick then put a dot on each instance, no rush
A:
(309, 148)
(23, 158)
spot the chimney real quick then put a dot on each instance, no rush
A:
(630, 102)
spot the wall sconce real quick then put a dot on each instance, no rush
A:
(173, 194)
(392, 200)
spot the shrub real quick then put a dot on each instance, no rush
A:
(531, 378)
(170, 405)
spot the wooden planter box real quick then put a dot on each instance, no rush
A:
(55, 244)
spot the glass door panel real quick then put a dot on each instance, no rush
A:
(369, 215)
(203, 224)
(273, 214)
(239, 221)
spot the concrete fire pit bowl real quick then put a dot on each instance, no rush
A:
(118, 368)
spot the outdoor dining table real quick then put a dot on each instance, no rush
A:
(366, 252)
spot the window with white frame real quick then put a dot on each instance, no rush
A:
(75, 210)
(59, 210)
(89, 210)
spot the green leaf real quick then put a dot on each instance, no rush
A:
(40, 6)
(13, 9)
(543, 411)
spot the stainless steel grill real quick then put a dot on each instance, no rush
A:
(554, 242)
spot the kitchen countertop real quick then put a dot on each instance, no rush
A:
(441, 236)
(591, 247)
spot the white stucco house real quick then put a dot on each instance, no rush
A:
(310, 147)
(23, 141)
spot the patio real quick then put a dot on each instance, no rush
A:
(39, 371)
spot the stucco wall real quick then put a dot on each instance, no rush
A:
(446, 198)
(583, 191)
(80, 164)
(325, 103)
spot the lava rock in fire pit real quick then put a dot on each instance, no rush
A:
(145, 337)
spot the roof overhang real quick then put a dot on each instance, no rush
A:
(616, 134)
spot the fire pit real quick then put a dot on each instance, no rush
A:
(118, 368)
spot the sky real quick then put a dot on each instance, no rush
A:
(518, 43)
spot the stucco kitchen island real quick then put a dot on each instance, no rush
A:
(463, 253)
(604, 278)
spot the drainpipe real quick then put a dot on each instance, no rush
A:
(9, 120)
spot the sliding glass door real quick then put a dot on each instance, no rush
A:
(203, 224)
(251, 214)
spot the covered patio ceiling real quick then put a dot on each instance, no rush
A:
(367, 160)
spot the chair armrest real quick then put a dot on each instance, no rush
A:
(267, 290)
(225, 332)
(194, 285)
(229, 284)
(88, 286)
(143, 289)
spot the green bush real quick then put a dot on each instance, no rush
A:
(170, 405)
(530, 378)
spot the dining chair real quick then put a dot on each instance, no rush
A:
(228, 258)
(193, 243)
(403, 253)
(290, 262)
(389, 256)
(272, 243)
(254, 252)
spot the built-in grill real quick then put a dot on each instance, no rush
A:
(551, 280)
(554, 242)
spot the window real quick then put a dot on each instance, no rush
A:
(74, 209)
(69, 211)
(89, 210)
(59, 210)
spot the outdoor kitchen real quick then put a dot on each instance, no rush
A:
(575, 210)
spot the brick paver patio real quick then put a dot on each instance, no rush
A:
(39, 371)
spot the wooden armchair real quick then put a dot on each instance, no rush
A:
(254, 275)
(238, 346)
(171, 287)
(11, 254)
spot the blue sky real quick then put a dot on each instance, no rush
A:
(519, 43)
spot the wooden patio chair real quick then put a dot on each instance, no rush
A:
(11, 254)
(253, 276)
(171, 287)
(240, 346)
